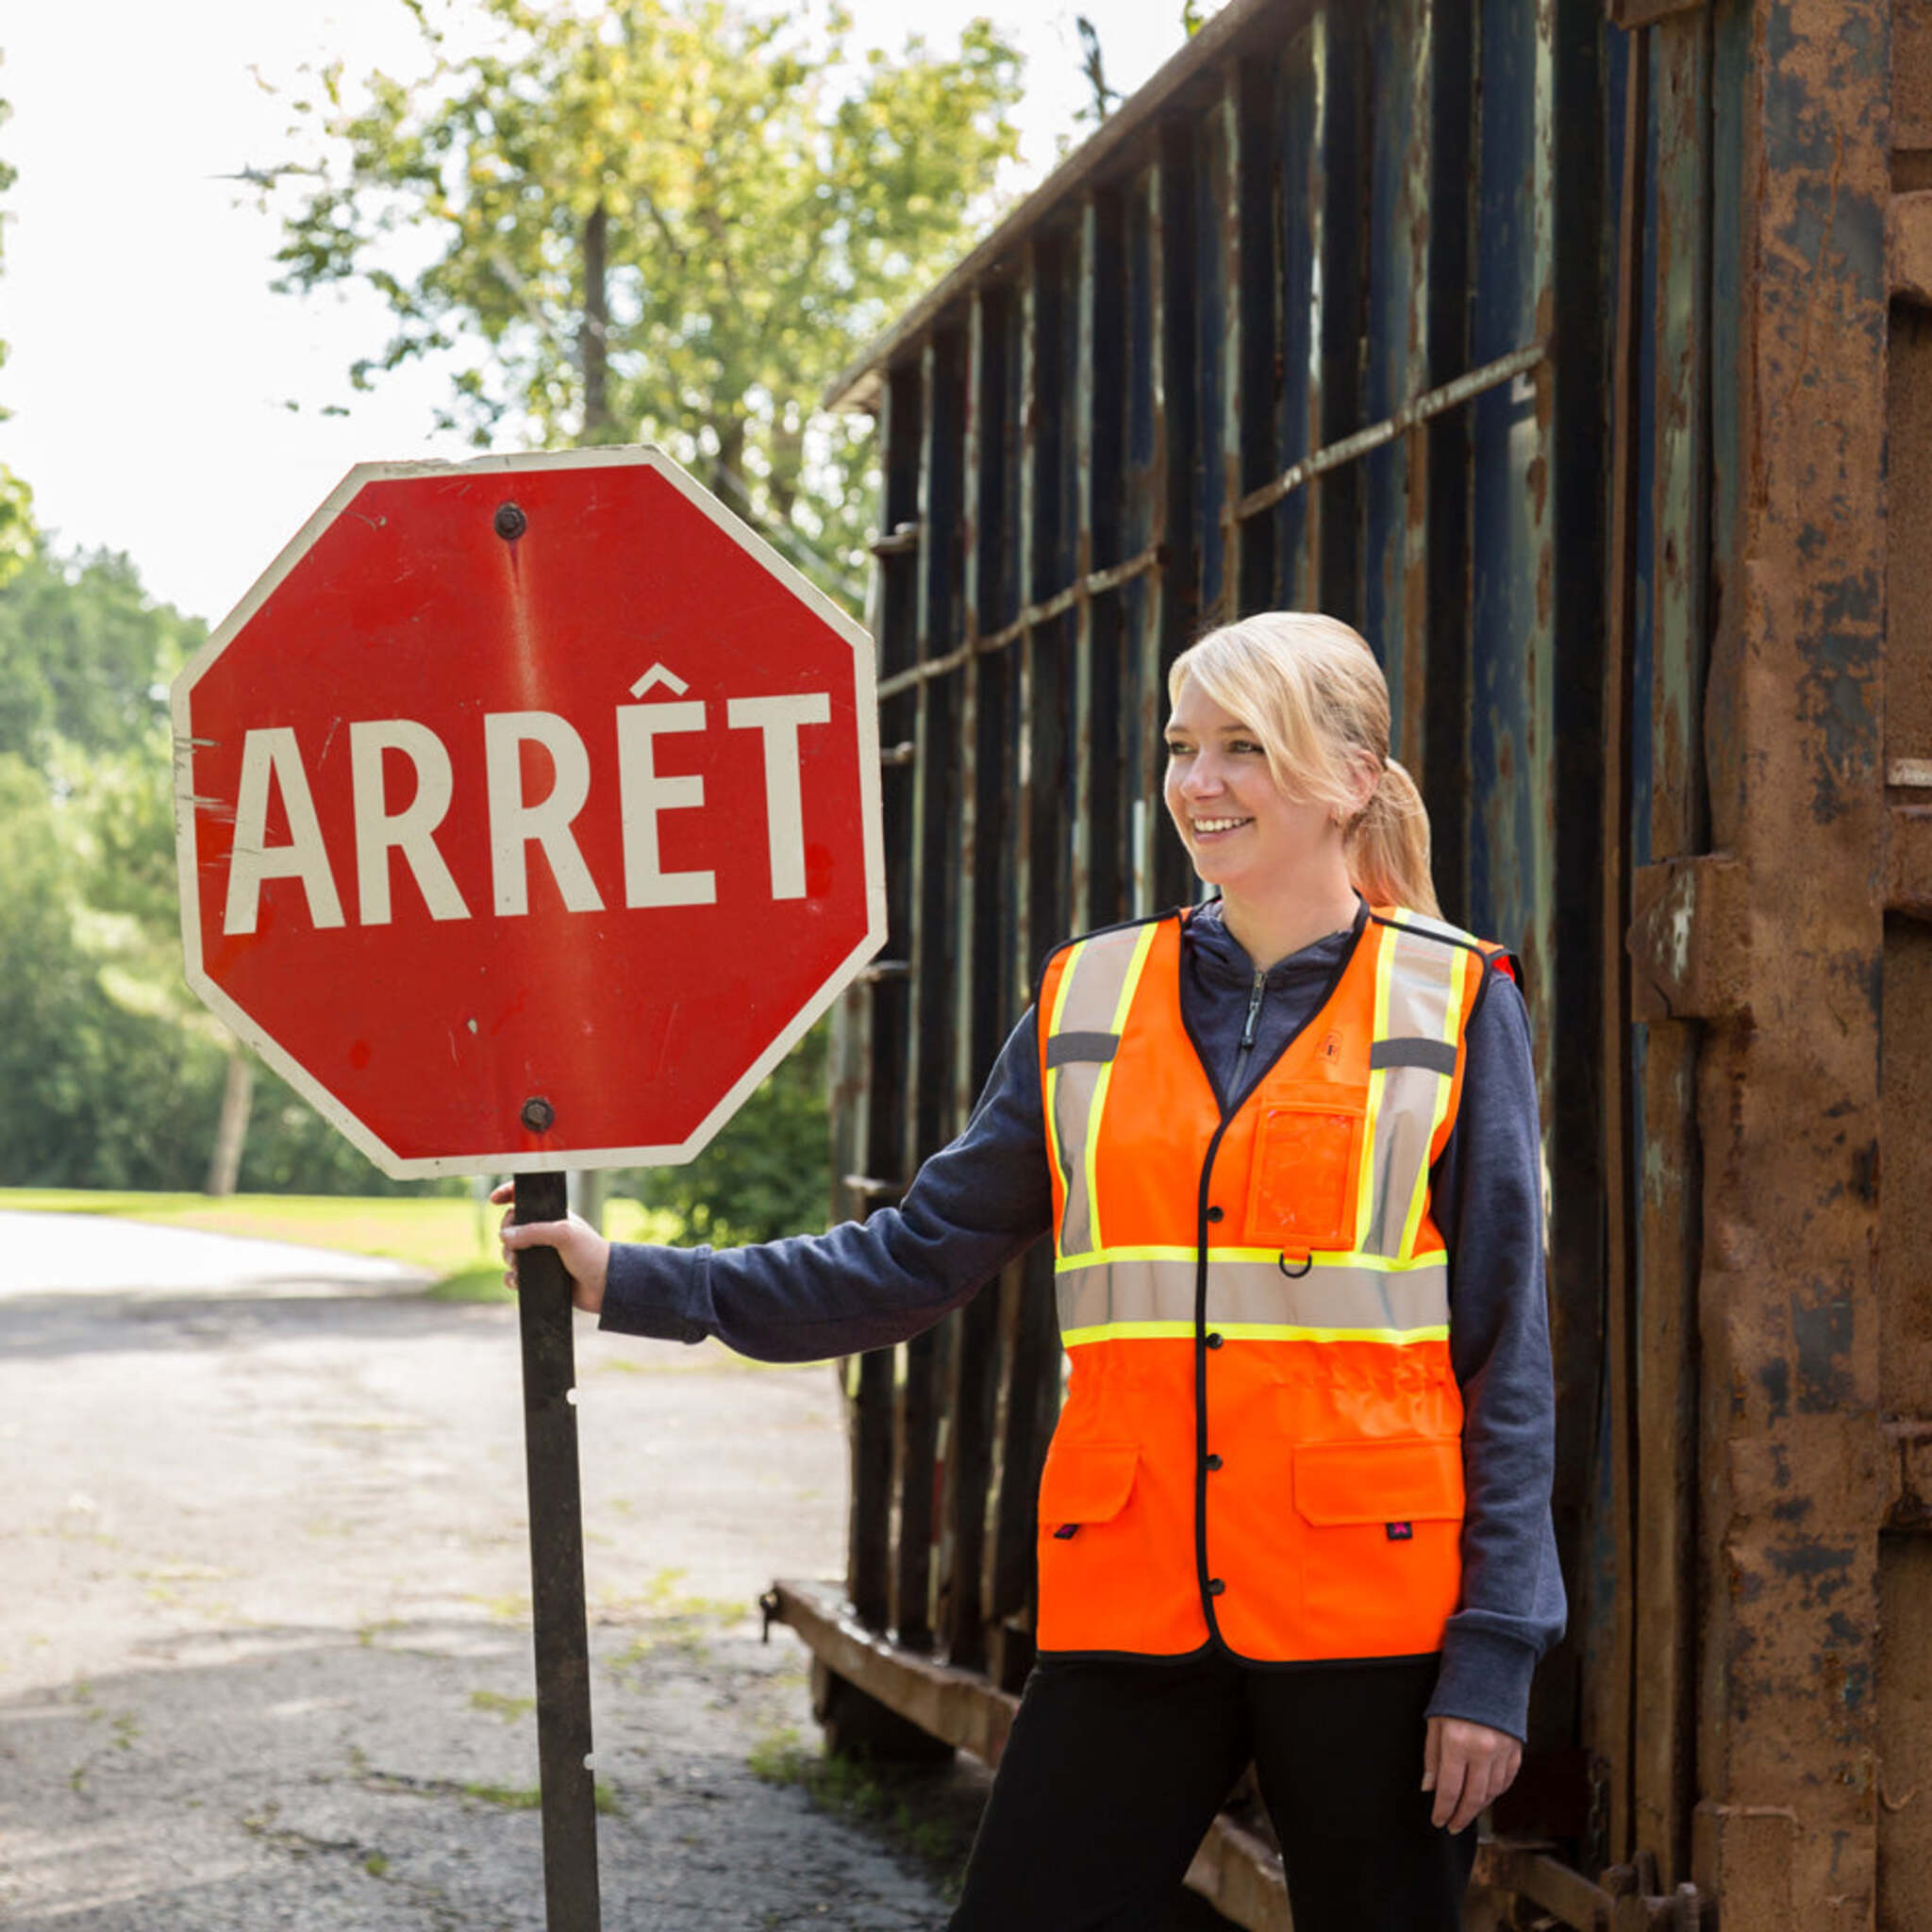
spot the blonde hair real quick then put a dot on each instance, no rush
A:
(1309, 689)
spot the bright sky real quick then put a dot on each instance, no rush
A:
(152, 371)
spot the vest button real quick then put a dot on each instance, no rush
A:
(1214, 1342)
(1215, 1585)
(1215, 1462)
(1217, 1214)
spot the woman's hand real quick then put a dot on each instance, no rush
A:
(1468, 1766)
(585, 1252)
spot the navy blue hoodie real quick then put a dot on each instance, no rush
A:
(983, 1200)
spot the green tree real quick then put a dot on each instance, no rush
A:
(114, 1075)
(16, 499)
(663, 219)
(671, 220)
(767, 1172)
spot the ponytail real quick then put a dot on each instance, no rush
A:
(1389, 846)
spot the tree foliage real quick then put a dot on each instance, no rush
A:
(767, 1172)
(658, 219)
(114, 1074)
(16, 499)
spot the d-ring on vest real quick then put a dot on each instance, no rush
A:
(1261, 1442)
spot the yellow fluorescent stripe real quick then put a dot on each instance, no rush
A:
(1121, 1007)
(1377, 1264)
(1053, 1074)
(1372, 1117)
(1246, 1331)
(1135, 965)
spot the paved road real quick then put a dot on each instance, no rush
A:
(264, 1651)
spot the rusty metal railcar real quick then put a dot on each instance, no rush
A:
(1584, 364)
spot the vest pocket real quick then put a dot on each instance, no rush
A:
(1382, 1567)
(1303, 1185)
(1085, 1482)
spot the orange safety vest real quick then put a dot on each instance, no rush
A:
(1261, 1442)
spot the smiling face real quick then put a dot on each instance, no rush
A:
(1243, 833)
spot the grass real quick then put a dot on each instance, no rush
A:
(450, 1237)
(530, 1797)
(508, 1708)
(905, 1801)
(481, 1282)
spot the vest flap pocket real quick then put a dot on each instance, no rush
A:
(1086, 1482)
(1416, 1478)
(1307, 1166)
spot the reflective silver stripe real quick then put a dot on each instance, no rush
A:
(1424, 1005)
(1438, 1055)
(1073, 1087)
(1086, 1008)
(1062, 1047)
(1330, 1295)
(1095, 977)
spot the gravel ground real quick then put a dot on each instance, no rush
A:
(264, 1643)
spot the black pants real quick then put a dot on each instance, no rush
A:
(1114, 1770)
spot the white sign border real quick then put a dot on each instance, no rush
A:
(187, 856)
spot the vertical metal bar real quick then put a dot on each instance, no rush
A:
(1207, 242)
(874, 1424)
(1302, 151)
(1565, 478)
(1184, 317)
(1512, 889)
(1226, 200)
(1607, 1606)
(1343, 274)
(1665, 1310)
(1417, 213)
(1150, 644)
(1113, 701)
(1394, 608)
(557, 1569)
(1023, 1364)
(917, 1423)
(968, 949)
(1446, 732)
(1079, 910)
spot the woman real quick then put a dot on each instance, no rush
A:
(1296, 1509)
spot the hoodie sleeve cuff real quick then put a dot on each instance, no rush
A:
(654, 1292)
(1485, 1680)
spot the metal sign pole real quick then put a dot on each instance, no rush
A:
(556, 1571)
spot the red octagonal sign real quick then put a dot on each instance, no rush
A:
(533, 779)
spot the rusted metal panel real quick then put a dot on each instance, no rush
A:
(1329, 319)
(1689, 942)
(1908, 245)
(1790, 1478)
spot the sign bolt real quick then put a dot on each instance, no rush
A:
(510, 522)
(538, 1114)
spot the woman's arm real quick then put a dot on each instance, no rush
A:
(971, 1208)
(1486, 1198)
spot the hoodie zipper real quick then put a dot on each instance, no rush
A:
(1240, 1060)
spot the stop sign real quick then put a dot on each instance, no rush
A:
(528, 812)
